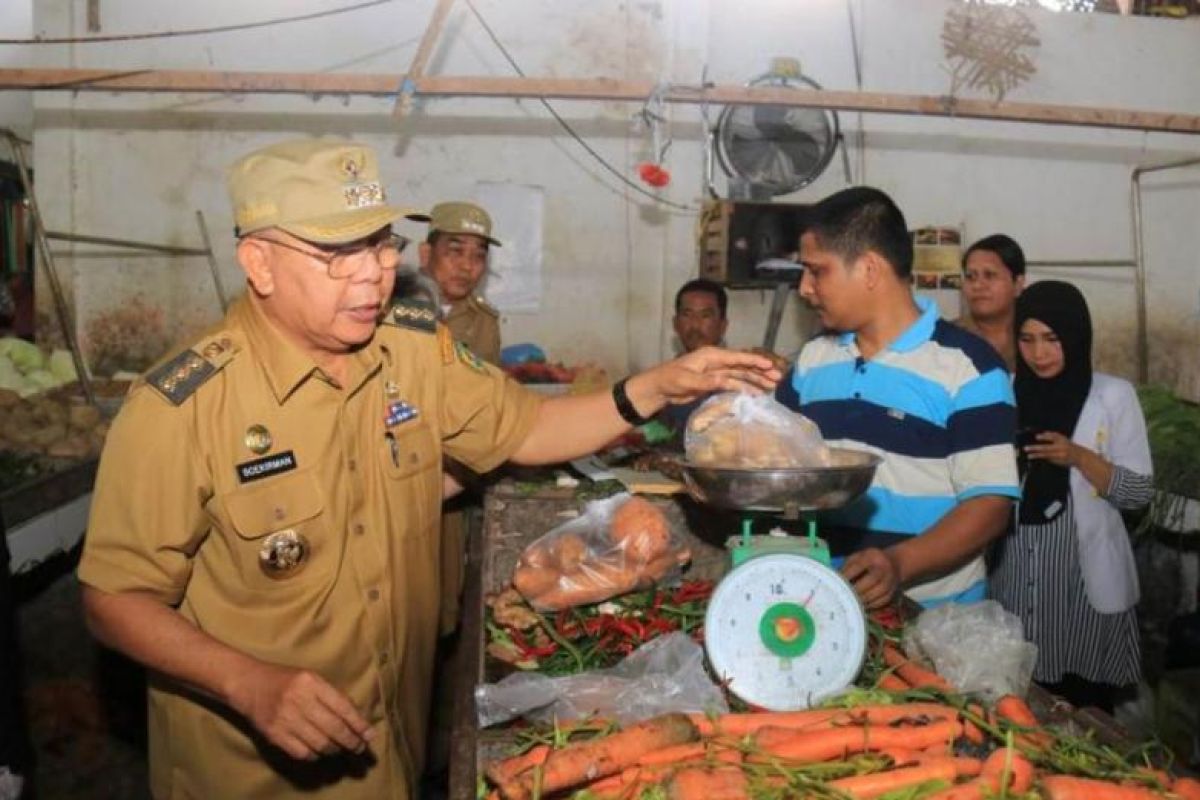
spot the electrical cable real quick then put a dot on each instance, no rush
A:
(567, 127)
(128, 37)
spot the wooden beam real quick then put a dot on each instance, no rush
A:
(424, 50)
(590, 89)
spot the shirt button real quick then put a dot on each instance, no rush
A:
(383, 657)
(359, 529)
(351, 465)
(372, 595)
(857, 395)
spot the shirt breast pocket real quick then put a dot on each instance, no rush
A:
(409, 451)
(282, 536)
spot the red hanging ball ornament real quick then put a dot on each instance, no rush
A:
(653, 175)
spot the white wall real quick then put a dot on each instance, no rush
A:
(16, 108)
(138, 166)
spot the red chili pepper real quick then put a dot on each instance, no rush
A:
(626, 627)
(519, 639)
(543, 651)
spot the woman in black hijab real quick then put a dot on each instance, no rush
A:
(1067, 570)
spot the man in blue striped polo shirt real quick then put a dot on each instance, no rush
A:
(892, 378)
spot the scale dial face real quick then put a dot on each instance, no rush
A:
(785, 631)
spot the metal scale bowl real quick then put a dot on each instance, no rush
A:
(783, 628)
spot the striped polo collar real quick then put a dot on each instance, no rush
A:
(915, 335)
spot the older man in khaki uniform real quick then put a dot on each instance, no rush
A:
(264, 530)
(454, 256)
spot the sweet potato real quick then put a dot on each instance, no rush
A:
(532, 581)
(640, 529)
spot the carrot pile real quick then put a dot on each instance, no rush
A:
(919, 741)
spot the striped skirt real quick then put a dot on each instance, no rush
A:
(1036, 575)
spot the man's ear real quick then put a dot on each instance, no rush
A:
(724, 327)
(425, 254)
(875, 268)
(255, 259)
(1019, 283)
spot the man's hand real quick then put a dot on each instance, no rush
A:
(701, 372)
(875, 576)
(299, 712)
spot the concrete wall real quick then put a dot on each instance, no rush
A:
(16, 108)
(140, 166)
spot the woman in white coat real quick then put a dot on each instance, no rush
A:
(1067, 569)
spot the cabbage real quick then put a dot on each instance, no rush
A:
(25, 356)
(9, 377)
(62, 366)
(42, 379)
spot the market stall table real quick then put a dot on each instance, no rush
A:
(514, 515)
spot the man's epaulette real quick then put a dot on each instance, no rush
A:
(178, 378)
(485, 306)
(417, 315)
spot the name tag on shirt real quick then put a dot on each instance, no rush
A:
(261, 468)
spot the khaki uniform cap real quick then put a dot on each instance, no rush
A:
(321, 190)
(458, 217)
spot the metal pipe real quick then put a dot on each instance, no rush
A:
(1083, 262)
(1139, 256)
(132, 245)
(222, 298)
(56, 291)
(778, 303)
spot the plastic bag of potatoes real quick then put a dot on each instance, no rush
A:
(618, 545)
(743, 431)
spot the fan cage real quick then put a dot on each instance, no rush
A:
(800, 181)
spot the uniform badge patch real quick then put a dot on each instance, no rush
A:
(283, 554)
(398, 412)
(181, 376)
(467, 357)
(261, 468)
(415, 315)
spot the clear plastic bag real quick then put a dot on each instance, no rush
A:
(978, 647)
(753, 432)
(664, 675)
(621, 544)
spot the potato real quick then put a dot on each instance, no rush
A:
(44, 437)
(71, 447)
(535, 556)
(569, 550)
(82, 417)
(532, 581)
(640, 529)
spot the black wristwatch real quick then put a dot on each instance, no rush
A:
(625, 406)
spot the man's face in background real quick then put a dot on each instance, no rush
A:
(698, 321)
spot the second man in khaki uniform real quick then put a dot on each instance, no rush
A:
(454, 256)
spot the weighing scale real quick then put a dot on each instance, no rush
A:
(783, 628)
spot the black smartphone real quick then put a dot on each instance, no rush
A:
(1026, 437)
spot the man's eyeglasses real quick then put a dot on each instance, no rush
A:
(343, 261)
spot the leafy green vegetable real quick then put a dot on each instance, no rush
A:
(1173, 427)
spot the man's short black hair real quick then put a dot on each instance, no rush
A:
(861, 218)
(708, 287)
(1005, 248)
